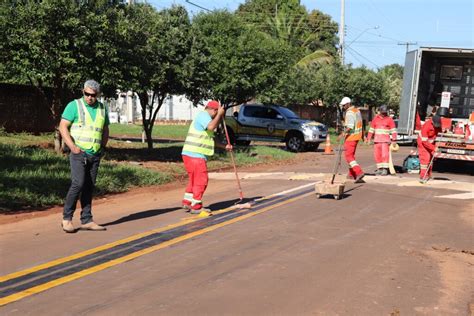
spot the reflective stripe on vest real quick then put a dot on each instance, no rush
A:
(200, 142)
(87, 134)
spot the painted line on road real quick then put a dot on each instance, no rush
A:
(16, 286)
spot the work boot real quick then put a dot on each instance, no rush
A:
(186, 207)
(378, 172)
(201, 210)
(67, 226)
(92, 226)
(384, 172)
(358, 179)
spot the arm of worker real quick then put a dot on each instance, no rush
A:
(64, 130)
(215, 121)
(393, 131)
(218, 144)
(371, 132)
(105, 136)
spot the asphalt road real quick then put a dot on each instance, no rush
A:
(389, 247)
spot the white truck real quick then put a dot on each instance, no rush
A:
(440, 77)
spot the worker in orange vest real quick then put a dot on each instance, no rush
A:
(352, 134)
(426, 147)
(381, 128)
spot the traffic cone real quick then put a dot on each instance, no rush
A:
(328, 149)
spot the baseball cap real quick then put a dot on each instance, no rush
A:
(436, 121)
(345, 100)
(213, 104)
(383, 108)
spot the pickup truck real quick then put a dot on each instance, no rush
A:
(273, 123)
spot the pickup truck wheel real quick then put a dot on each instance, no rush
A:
(295, 142)
(244, 143)
(312, 146)
(231, 136)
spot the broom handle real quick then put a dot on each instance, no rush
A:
(233, 161)
(338, 160)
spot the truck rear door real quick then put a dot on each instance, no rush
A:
(408, 100)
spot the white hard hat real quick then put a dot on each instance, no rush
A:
(345, 100)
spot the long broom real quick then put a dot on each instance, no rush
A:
(241, 195)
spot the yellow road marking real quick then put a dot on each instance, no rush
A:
(114, 262)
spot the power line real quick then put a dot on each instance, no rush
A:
(407, 44)
(353, 50)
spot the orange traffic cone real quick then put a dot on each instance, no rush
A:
(328, 149)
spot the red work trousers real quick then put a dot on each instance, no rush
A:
(350, 149)
(197, 183)
(381, 154)
(425, 159)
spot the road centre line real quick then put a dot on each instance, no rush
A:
(126, 240)
(117, 256)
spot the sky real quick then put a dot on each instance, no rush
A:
(377, 29)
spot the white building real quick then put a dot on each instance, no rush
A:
(174, 108)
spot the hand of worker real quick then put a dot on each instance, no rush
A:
(220, 111)
(75, 150)
(228, 147)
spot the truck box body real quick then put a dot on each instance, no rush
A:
(429, 72)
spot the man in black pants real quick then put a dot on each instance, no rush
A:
(84, 128)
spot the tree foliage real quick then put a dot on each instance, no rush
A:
(157, 44)
(230, 61)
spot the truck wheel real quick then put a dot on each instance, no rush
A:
(231, 136)
(243, 143)
(312, 146)
(295, 142)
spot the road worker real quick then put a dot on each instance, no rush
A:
(352, 135)
(426, 146)
(199, 145)
(84, 129)
(384, 132)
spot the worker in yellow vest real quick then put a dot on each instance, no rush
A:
(84, 129)
(352, 135)
(199, 145)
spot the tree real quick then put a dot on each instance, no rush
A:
(157, 46)
(393, 79)
(59, 44)
(364, 86)
(232, 62)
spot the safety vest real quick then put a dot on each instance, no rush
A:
(353, 121)
(201, 142)
(87, 134)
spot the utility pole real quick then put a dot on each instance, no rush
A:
(341, 33)
(407, 44)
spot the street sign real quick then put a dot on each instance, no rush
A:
(445, 99)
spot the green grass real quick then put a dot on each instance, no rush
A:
(34, 177)
(159, 131)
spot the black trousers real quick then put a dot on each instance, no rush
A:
(83, 176)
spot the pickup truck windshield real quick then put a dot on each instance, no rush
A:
(288, 113)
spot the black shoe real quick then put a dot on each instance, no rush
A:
(358, 179)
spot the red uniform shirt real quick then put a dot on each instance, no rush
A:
(381, 127)
(428, 135)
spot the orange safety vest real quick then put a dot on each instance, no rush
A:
(353, 124)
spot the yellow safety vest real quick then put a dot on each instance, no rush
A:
(87, 134)
(201, 142)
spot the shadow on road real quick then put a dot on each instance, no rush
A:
(141, 215)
